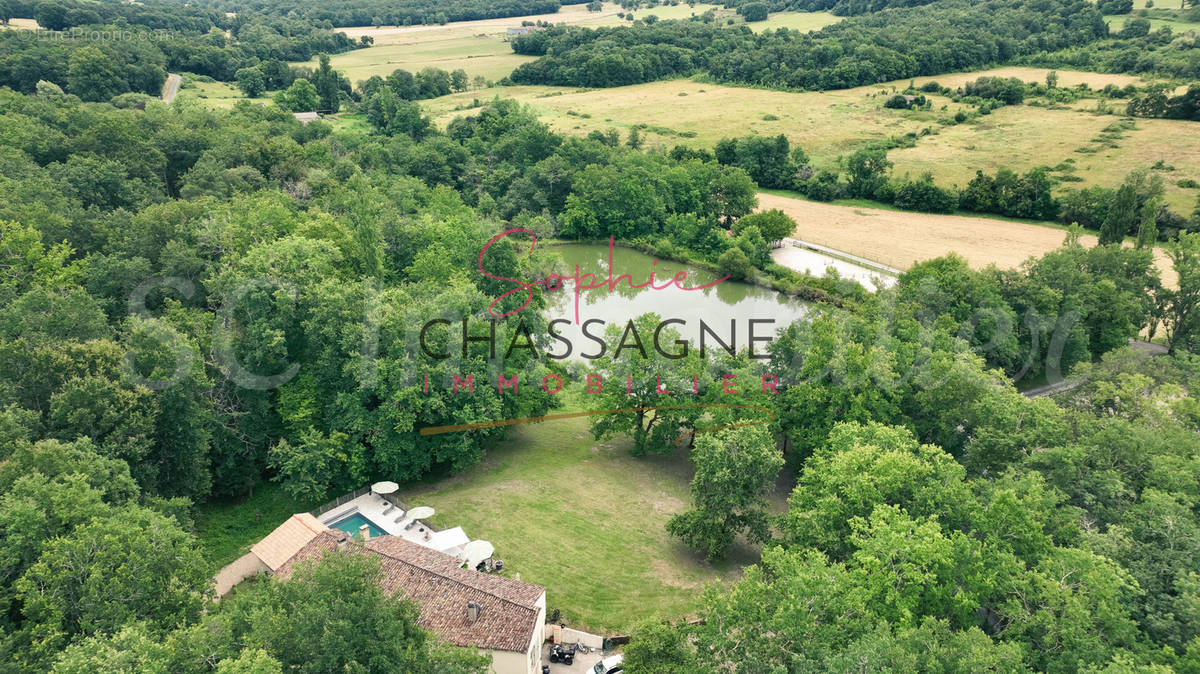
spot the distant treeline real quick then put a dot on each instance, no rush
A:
(856, 7)
(1162, 51)
(97, 57)
(842, 7)
(945, 36)
(62, 14)
(392, 13)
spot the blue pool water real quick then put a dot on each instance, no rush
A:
(353, 522)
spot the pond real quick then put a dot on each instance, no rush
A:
(716, 306)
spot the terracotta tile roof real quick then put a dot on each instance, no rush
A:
(288, 538)
(508, 612)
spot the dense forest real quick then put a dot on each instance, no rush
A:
(194, 302)
(166, 279)
(1036, 535)
(947, 36)
(100, 53)
(1138, 51)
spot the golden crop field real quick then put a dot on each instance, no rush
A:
(902, 238)
(26, 24)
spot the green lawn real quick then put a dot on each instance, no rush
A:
(586, 520)
(581, 517)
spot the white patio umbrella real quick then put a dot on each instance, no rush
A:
(420, 512)
(387, 487)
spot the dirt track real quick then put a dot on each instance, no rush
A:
(171, 88)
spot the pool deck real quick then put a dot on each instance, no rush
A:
(395, 522)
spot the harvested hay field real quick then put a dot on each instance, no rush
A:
(1066, 78)
(901, 238)
(24, 24)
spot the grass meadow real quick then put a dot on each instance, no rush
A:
(478, 47)
(1164, 14)
(830, 125)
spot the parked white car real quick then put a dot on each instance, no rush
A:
(609, 665)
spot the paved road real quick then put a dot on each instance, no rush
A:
(171, 87)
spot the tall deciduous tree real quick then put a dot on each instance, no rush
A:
(633, 381)
(867, 169)
(325, 79)
(1122, 215)
(1180, 306)
(93, 75)
(735, 470)
(132, 565)
(657, 647)
(301, 96)
(332, 615)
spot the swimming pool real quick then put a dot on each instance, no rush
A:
(353, 522)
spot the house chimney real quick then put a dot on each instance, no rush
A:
(365, 532)
(472, 611)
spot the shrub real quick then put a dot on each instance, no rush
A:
(735, 263)
(923, 195)
(1008, 90)
(824, 186)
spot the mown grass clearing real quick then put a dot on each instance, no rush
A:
(228, 529)
(583, 518)
(215, 94)
(802, 21)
